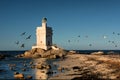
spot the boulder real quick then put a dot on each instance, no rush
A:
(2, 56)
(31, 63)
(41, 53)
(39, 66)
(16, 73)
(36, 55)
(71, 52)
(48, 67)
(97, 53)
(23, 69)
(33, 50)
(29, 77)
(27, 54)
(33, 66)
(39, 50)
(52, 56)
(19, 76)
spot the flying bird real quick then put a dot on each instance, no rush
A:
(22, 46)
(104, 37)
(118, 34)
(113, 32)
(115, 45)
(28, 37)
(17, 42)
(79, 36)
(90, 44)
(109, 41)
(23, 33)
(69, 41)
(113, 42)
(86, 36)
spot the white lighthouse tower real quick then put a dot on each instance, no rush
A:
(43, 36)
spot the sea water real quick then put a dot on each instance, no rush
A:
(20, 63)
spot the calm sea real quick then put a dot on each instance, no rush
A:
(7, 73)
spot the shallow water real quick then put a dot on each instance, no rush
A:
(7, 72)
(21, 63)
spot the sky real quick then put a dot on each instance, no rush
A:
(77, 24)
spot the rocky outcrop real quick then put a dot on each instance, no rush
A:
(18, 76)
(41, 53)
(2, 56)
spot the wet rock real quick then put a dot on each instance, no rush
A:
(59, 69)
(49, 72)
(27, 54)
(2, 56)
(23, 69)
(2, 70)
(33, 66)
(29, 77)
(19, 76)
(24, 65)
(39, 66)
(48, 67)
(11, 65)
(31, 63)
(16, 73)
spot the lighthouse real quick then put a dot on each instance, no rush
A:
(43, 36)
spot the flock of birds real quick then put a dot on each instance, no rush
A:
(104, 37)
(69, 41)
(18, 42)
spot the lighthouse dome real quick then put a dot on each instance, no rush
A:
(44, 19)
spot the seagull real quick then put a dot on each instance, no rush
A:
(113, 32)
(86, 36)
(90, 44)
(28, 37)
(115, 45)
(23, 33)
(69, 41)
(17, 42)
(79, 36)
(104, 37)
(22, 46)
(118, 34)
(113, 42)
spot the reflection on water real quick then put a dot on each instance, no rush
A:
(11, 64)
(39, 74)
(43, 73)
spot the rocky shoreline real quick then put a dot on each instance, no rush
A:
(74, 66)
(89, 67)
